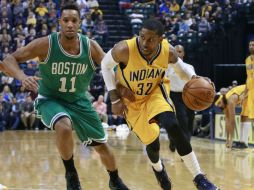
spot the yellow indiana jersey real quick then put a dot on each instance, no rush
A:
(140, 75)
(238, 90)
(250, 72)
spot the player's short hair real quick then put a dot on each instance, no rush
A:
(251, 40)
(70, 6)
(154, 25)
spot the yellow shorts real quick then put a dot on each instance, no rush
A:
(142, 111)
(248, 105)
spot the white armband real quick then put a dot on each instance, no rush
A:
(107, 68)
(183, 70)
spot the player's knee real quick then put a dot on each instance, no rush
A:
(102, 149)
(153, 151)
(153, 147)
(63, 127)
(167, 120)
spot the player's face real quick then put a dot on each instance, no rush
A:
(180, 52)
(148, 41)
(70, 23)
(251, 47)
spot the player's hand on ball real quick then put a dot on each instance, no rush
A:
(30, 83)
(119, 108)
(206, 78)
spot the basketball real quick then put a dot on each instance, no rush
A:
(198, 94)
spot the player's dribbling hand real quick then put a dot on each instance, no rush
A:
(119, 108)
(206, 78)
(30, 83)
(125, 92)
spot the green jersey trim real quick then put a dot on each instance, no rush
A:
(90, 55)
(67, 54)
(49, 51)
(90, 140)
(54, 119)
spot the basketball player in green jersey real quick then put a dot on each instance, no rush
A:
(67, 62)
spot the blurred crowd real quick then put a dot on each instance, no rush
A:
(187, 21)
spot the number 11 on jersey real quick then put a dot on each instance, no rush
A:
(63, 85)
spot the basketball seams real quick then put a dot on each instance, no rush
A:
(199, 98)
(199, 88)
(190, 103)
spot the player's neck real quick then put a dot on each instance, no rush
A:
(252, 57)
(68, 44)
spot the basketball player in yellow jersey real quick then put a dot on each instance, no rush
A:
(248, 115)
(227, 102)
(141, 63)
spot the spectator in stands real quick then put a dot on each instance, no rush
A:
(165, 7)
(124, 4)
(174, 7)
(30, 36)
(5, 38)
(96, 13)
(5, 51)
(5, 111)
(175, 26)
(41, 10)
(136, 20)
(92, 4)
(29, 71)
(101, 29)
(84, 7)
(7, 94)
(27, 113)
(21, 95)
(173, 40)
(136, 17)
(15, 114)
(204, 25)
(183, 27)
(17, 8)
(31, 20)
(187, 19)
(2, 122)
(206, 7)
(187, 4)
(101, 108)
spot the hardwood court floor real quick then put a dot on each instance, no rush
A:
(29, 161)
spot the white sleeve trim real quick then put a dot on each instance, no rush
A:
(107, 68)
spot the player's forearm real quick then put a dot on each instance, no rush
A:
(185, 72)
(11, 67)
(107, 65)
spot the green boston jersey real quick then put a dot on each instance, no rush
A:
(65, 76)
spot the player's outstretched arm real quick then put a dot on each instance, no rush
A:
(10, 65)
(97, 52)
(119, 53)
